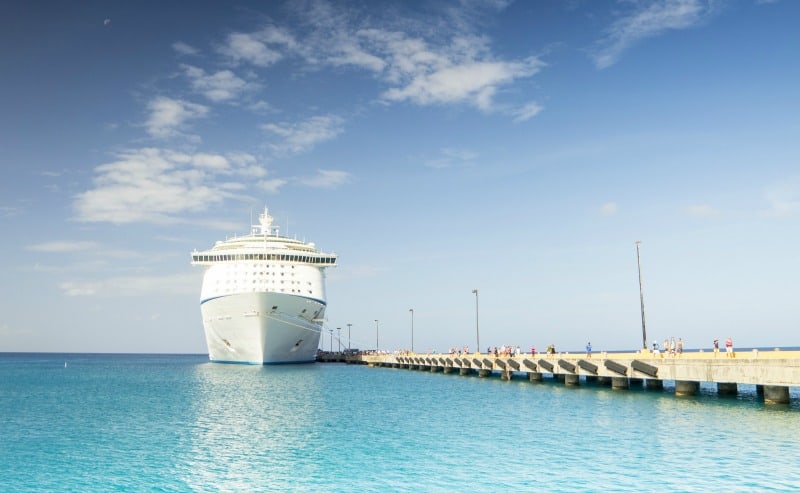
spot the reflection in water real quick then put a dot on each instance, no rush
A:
(253, 426)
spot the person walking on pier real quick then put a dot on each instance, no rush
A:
(716, 347)
(729, 347)
(680, 346)
(589, 350)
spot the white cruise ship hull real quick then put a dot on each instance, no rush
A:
(262, 328)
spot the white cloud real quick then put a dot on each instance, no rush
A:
(218, 87)
(326, 179)
(784, 198)
(133, 286)
(271, 186)
(62, 246)
(157, 185)
(184, 49)
(609, 209)
(701, 210)
(262, 48)
(303, 136)
(449, 157)
(473, 82)
(648, 19)
(8, 211)
(169, 116)
(526, 112)
(422, 61)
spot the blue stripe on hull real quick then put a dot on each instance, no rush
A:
(323, 303)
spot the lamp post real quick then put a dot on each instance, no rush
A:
(377, 346)
(331, 331)
(339, 337)
(348, 336)
(412, 329)
(477, 330)
(641, 294)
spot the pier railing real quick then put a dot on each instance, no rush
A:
(772, 372)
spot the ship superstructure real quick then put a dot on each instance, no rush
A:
(263, 297)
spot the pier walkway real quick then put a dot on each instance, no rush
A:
(772, 372)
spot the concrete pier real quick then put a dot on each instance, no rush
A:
(774, 394)
(772, 372)
(619, 383)
(686, 387)
(654, 384)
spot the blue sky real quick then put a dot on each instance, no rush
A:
(516, 148)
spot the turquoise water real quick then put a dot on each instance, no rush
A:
(179, 423)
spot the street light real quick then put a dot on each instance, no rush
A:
(412, 329)
(477, 331)
(376, 335)
(339, 337)
(331, 331)
(348, 336)
(641, 294)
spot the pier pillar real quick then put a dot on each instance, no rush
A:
(727, 388)
(572, 380)
(506, 375)
(465, 371)
(654, 384)
(434, 369)
(535, 376)
(604, 381)
(619, 383)
(776, 394)
(559, 377)
(448, 369)
(483, 373)
(635, 381)
(686, 387)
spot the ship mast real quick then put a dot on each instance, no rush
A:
(265, 224)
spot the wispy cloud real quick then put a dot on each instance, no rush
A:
(701, 210)
(168, 116)
(326, 178)
(419, 61)
(646, 20)
(449, 157)
(609, 209)
(303, 136)
(8, 211)
(62, 246)
(157, 185)
(526, 112)
(133, 286)
(272, 185)
(784, 198)
(262, 48)
(220, 86)
(184, 49)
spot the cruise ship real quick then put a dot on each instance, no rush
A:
(263, 297)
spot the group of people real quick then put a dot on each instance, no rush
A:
(671, 347)
(504, 351)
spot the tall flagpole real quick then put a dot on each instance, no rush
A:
(641, 295)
